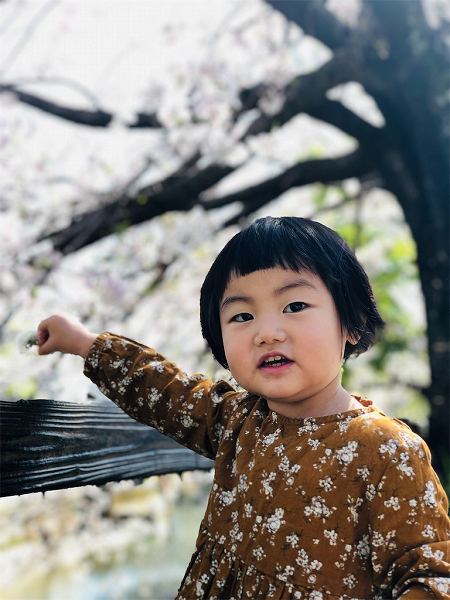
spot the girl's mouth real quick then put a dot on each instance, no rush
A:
(275, 363)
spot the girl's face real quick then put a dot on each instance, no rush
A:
(283, 340)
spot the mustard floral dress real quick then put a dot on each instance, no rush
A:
(343, 506)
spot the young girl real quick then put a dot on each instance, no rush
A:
(317, 494)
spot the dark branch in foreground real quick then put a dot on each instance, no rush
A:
(56, 445)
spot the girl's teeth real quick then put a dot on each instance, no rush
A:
(275, 359)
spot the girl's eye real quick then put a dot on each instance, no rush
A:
(295, 307)
(242, 317)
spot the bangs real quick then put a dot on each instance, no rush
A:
(262, 248)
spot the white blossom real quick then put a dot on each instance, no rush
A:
(347, 454)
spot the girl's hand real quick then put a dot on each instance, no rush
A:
(60, 333)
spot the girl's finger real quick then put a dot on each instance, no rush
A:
(43, 334)
(46, 348)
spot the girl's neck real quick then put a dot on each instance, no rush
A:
(332, 400)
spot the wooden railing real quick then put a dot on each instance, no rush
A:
(48, 445)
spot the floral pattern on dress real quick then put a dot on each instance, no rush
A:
(344, 506)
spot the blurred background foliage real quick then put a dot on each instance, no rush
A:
(135, 140)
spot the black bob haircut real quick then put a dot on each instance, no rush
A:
(297, 244)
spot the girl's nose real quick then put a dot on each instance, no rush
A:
(270, 333)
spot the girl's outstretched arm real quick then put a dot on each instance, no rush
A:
(191, 409)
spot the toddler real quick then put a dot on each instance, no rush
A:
(317, 494)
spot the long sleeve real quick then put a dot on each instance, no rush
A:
(192, 410)
(409, 524)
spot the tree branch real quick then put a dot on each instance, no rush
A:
(182, 190)
(179, 192)
(94, 118)
(304, 92)
(299, 95)
(62, 81)
(146, 121)
(315, 20)
(336, 114)
(91, 118)
(325, 170)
